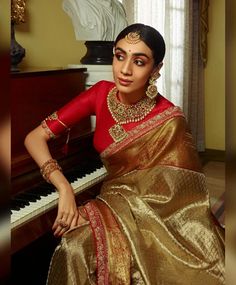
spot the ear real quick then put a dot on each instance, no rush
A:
(156, 69)
(155, 73)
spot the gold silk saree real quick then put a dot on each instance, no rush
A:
(151, 223)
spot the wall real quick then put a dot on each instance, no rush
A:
(4, 25)
(48, 36)
(49, 40)
(215, 78)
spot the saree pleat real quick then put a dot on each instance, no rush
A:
(152, 215)
(74, 260)
(168, 235)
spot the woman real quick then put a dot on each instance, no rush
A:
(151, 223)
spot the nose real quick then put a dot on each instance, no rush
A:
(126, 68)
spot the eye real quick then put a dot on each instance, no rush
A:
(139, 62)
(119, 56)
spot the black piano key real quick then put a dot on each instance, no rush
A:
(47, 188)
(25, 202)
(17, 203)
(15, 207)
(74, 174)
(79, 175)
(81, 170)
(37, 191)
(28, 197)
(36, 195)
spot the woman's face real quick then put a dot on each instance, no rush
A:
(133, 64)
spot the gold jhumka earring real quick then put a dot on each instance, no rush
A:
(152, 88)
(133, 37)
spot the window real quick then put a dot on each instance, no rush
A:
(169, 18)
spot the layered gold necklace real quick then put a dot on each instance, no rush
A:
(124, 114)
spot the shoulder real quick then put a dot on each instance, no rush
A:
(106, 84)
(162, 101)
(168, 113)
(162, 104)
(99, 91)
(174, 118)
(103, 86)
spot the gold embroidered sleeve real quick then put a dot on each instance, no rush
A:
(54, 126)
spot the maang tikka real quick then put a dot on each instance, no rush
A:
(133, 37)
(152, 88)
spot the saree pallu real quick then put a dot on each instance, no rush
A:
(151, 223)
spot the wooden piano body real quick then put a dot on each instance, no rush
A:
(35, 95)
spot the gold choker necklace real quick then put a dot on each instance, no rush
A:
(124, 114)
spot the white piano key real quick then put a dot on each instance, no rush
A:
(46, 203)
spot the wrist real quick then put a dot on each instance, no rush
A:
(64, 186)
(48, 168)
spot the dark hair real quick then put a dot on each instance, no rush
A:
(152, 38)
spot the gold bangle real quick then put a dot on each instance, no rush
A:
(51, 160)
(48, 167)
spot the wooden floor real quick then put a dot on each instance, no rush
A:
(215, 176)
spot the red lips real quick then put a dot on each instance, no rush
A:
(124, 82)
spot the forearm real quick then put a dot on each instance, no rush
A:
(60, 182)
(37, 146)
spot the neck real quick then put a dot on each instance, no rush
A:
(130, 98)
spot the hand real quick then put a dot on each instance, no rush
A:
(67, 216)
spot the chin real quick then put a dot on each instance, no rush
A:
(124, 89)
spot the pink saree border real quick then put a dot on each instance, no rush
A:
(101, 244)
(142, 129)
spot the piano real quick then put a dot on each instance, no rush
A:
(35, 95)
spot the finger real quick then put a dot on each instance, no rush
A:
(72, 219)
(58, 218)
(60, 231)
(62, 226)
(56, 224)
(61, 218)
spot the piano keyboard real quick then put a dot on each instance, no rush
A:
(24, 214)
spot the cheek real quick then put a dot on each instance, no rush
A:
(115, 68)
(143, 77)
(113, 71)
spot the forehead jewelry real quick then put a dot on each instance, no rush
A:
(133, 37)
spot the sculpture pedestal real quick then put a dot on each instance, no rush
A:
(98, 52)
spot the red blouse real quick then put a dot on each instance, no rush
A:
(94, 102)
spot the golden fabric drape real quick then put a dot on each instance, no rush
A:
(152, 216)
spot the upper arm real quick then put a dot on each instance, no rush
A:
(81, 106)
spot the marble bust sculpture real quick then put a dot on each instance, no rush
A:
(96, 20)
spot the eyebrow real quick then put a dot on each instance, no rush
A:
(136, 53)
